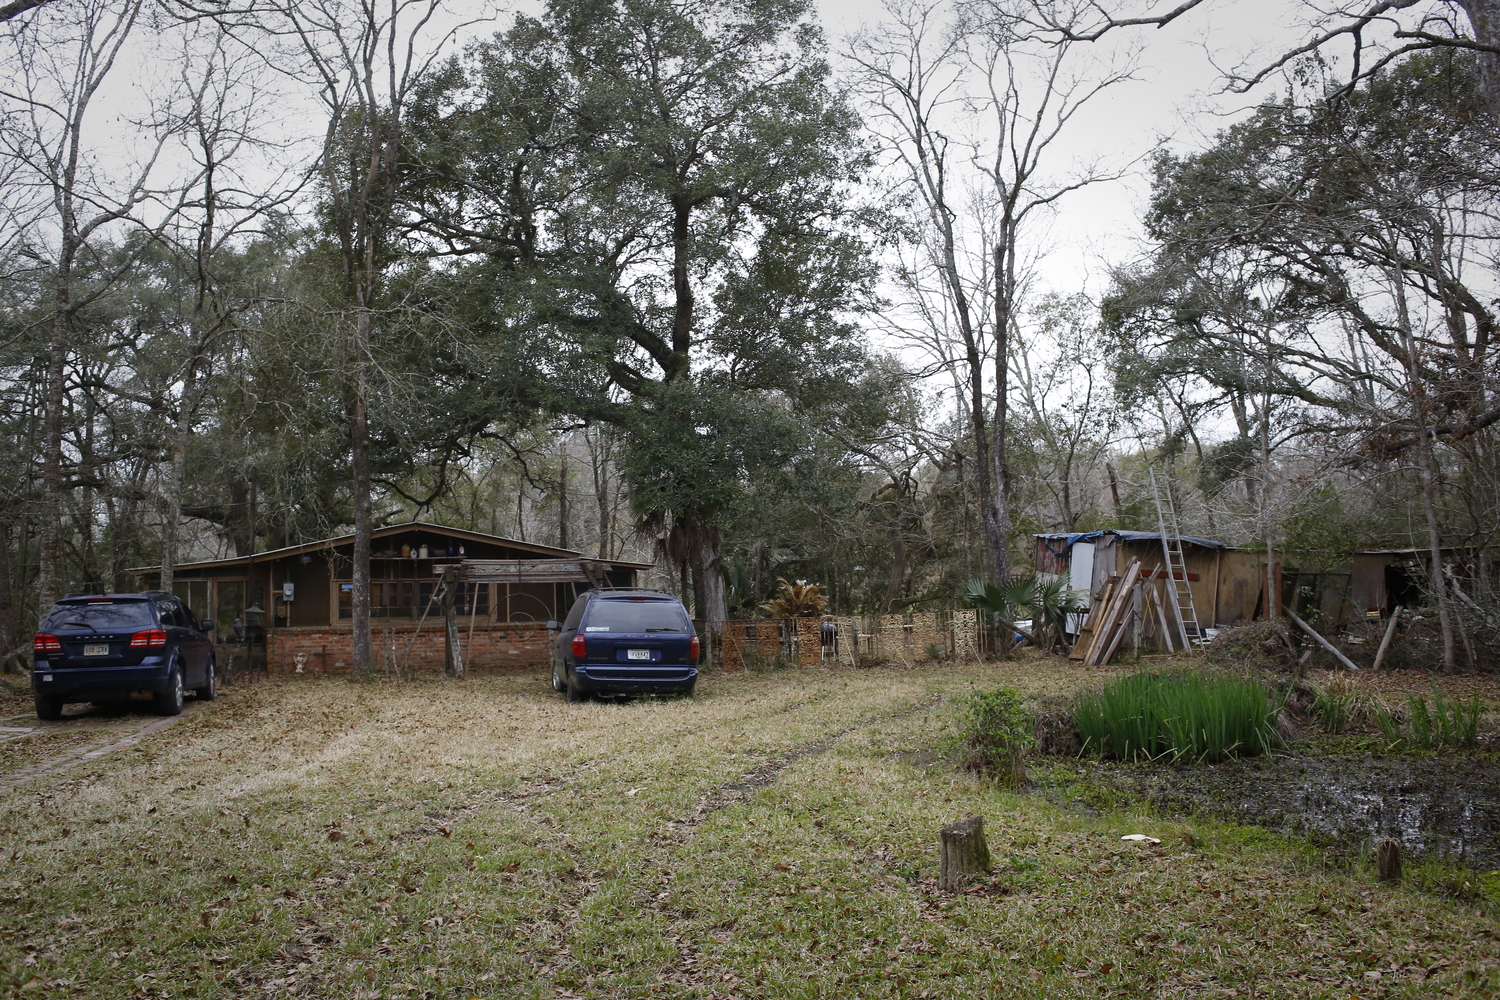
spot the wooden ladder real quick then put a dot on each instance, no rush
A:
(1177, 578)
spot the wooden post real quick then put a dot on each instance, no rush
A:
(1135, 623)
(1313, 633)
(964, 853)
(453, 656)
(1385, 643)
(1388, 858)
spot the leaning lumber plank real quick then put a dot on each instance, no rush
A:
(1385, 643)
(1089, 630)
(1105, 633)
(1319, 639)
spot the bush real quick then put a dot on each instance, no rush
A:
(994, 734)
(1339, 704)
(1180, 716)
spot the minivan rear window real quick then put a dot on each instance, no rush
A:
(625, 615)
(99, 616)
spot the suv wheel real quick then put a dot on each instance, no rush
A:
(48, 708)
(210, 689)
(170, 703)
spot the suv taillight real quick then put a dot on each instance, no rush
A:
(150, 637)
(694, 648)
(44, 643)
(580, 646)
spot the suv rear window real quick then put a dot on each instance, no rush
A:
(614, 614)
(100, 616)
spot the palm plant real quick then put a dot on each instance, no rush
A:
(1046, 604)
(1003, 603)
(796, 600)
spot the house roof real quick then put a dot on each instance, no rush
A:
(1126, 536)
(386, 532)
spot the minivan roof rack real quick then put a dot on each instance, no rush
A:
(638, 590)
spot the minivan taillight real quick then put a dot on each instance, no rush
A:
(693, 648)
(150, 637)
(44, 643)
(580, 646)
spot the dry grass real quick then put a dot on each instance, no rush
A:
(773, 838)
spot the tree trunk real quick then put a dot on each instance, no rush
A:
(1484, 18)
(8, 660)
(1388, 859)
(1427, 473)
(997, 516)
(51, 507)
(172, 516)
(453, 656)
(359, 446)
(708, 583)
(964, 853)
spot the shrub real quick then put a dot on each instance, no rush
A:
(1444, 722)
(1338, 704)
(936, 651)
(1181, 716)
(994, 733)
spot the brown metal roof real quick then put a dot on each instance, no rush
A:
(386, 532)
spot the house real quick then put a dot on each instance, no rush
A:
(297, 601)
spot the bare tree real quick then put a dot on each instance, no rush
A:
(971, 109)
(56, 69)
(226, 134)
(365, 62)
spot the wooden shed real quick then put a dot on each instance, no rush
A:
(1225, 583)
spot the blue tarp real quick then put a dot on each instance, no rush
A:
(1068, 541)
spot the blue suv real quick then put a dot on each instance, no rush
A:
(624, 642)
(106, 647)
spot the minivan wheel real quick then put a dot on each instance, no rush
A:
(687, 692)
(171, 702)
(210, 689)
(48, 708)
(574, 694)
(557, 681)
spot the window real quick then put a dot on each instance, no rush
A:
(408, 600)
(633, 614)
(99, 616)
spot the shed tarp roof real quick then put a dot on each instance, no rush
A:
(1068, 541)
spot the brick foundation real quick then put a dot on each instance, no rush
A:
(494, 648)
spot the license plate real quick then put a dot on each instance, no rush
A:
(102, 650)
(638, 654)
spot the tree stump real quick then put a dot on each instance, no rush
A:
(964, 853)
(1388, 858)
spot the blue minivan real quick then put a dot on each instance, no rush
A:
(107, 647)
(623, 642)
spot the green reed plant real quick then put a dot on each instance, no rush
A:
(1443, 722)
(1180, 716)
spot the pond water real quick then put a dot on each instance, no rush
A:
(1442, 805)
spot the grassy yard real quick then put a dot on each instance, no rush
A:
(775, 837)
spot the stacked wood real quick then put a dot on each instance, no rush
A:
(1109, 619)
(1090, 624)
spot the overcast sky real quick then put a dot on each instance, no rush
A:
(1178, 99)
